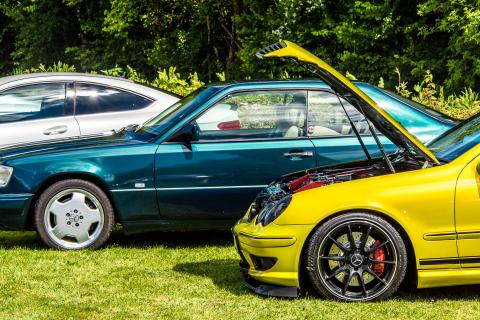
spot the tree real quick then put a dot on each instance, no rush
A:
(457, 24)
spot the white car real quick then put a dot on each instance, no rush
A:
(43, 106)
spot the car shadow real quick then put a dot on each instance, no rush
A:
(20, 239)
(184, 239)
(224, 273)
(173, 239)
(434, 294)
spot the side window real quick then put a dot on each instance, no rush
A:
(92, 99)
(255, 115)
(327, 117)
(32, 102)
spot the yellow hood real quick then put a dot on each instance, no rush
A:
(338, 82)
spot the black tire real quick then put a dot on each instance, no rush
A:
(343, 254)
(95, 199)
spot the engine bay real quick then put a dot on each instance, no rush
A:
(324, 176)
(342, 173)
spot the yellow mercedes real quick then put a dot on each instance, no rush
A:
(356, 231)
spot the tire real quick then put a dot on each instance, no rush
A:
(74, 214)
(356, 257)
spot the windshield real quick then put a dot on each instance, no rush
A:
(457, 141)
(155, 126)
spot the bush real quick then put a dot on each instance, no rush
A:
(459, 106)
(56, 67)
(168, 80)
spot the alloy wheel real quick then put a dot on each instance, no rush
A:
(74, 218)
(357, 261)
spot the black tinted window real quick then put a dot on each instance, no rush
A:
(32, 102)
(96, 99)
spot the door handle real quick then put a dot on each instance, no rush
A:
(55, 130)
(295, 154)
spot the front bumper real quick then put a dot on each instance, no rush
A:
(14, 211)
(280, 247)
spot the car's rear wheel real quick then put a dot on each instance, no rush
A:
(74, 214)
(356, 257)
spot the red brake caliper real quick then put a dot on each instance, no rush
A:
(379, 254)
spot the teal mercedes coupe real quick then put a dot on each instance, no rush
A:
(191, 167)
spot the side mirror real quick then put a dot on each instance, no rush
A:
(191, 132)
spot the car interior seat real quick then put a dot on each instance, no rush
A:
(291, 117)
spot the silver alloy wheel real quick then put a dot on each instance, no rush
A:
(74, 218)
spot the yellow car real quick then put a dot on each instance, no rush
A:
(356, 231)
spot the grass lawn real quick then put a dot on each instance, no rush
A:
(177, 276)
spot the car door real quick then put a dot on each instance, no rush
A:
(100, 108)
(330, 128)
(467, 214)
(238, 153)
(35, 112)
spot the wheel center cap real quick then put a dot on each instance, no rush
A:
(356, 260)
(74, 218)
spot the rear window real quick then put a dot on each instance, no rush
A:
(91, 99)
(421, 107)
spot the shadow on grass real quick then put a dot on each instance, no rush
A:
(224, 273)
(177, 239)
(20, 239)
(414, 295)
(444, 293)
(193, 239)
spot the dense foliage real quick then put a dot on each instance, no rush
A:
(217, 39)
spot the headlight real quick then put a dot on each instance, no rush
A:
(5, 175)
(272, 211)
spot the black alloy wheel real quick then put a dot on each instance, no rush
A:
(356, 257)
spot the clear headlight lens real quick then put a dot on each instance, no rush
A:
(273, 211)
(5, 175)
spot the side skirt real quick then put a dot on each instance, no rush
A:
(448, 277)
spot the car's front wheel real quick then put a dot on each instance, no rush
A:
(356, 257)
(74, 214)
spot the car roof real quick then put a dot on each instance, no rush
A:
(304, 82)
(7, 79)
(268, 82)
(23, 79)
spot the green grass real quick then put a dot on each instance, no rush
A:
(177, 276)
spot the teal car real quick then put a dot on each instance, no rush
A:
(190, 167)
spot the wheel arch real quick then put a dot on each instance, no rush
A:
(99, 182)
(411, 274)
